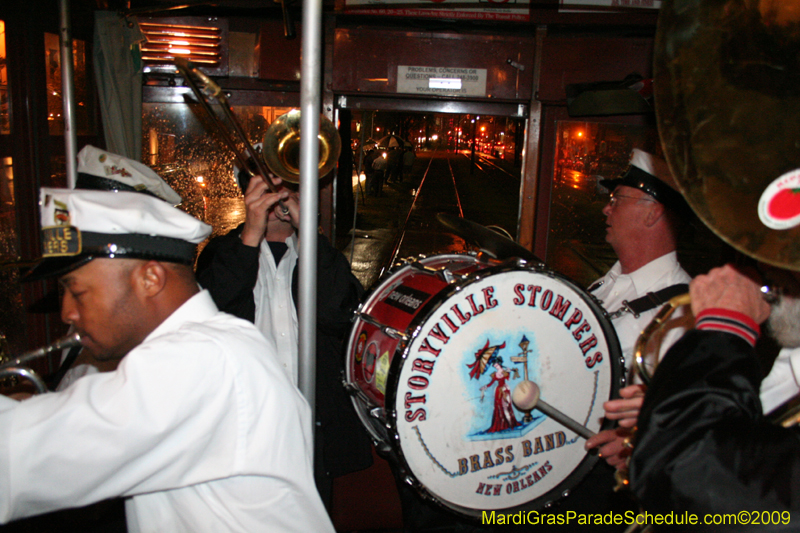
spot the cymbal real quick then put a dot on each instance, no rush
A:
(727, 98)
(486, 239)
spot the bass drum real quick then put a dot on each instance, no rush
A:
(434, 359)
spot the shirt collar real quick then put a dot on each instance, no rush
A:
(198, 308)
(649, 274)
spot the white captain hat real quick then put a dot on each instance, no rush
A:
(101, 170)
(81, 225)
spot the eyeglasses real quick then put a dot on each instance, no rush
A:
(776, 283)
(614, 200)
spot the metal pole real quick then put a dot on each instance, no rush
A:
(310, 71)
(67, 87)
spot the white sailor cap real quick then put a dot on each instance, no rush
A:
(101, 170)
(81, 225)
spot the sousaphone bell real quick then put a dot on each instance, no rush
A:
(727, 97)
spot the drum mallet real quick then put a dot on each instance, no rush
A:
(526, 399)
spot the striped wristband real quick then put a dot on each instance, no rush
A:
(729, 322)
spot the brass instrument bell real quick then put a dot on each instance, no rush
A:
(281, 146)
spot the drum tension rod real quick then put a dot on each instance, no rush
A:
(377, 413)
(446, 275)
(387, 330)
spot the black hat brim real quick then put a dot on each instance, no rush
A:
(637, 178)
(50, 267)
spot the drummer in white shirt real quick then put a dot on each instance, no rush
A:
(643, 218)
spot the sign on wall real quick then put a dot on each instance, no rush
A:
(441, 81)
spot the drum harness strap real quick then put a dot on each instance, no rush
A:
(649, 301)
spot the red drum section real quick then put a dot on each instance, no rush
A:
(389, 311)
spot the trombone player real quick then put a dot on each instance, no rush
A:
(251, 272)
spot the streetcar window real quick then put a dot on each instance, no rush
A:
(11, 309)
(5, 117)
(587, 152)
(199, 166)
(83, 87)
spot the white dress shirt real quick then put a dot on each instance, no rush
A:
(276, 316)
(616, 287)
(199, 426)
(783, 380)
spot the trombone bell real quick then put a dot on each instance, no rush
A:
(281, 146)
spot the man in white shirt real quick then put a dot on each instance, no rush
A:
(251, 272)
(270, 233)
(198, 427)
(641, 226)
(642, 222)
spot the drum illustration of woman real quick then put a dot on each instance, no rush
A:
(488, 359)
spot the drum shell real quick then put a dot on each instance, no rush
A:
(418, 287)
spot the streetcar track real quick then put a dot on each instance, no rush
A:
(402, 233)
(485, 160)
(455, 188)
(486, 166)
(414, 217)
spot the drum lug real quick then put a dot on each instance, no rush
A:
(357, 312)
(395, 334)
(443, 273)
(386, 330)
(447, 276)
(378, 413)
(383, 449)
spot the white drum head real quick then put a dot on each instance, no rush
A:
(459, 435)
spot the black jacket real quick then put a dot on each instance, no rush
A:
(703, 445)
(228, 269)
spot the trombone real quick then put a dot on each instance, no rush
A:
(281, 143)
(16, 367)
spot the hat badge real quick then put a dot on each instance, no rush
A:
(60, 213)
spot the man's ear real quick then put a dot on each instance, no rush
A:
(152, 278)
(655, 214)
